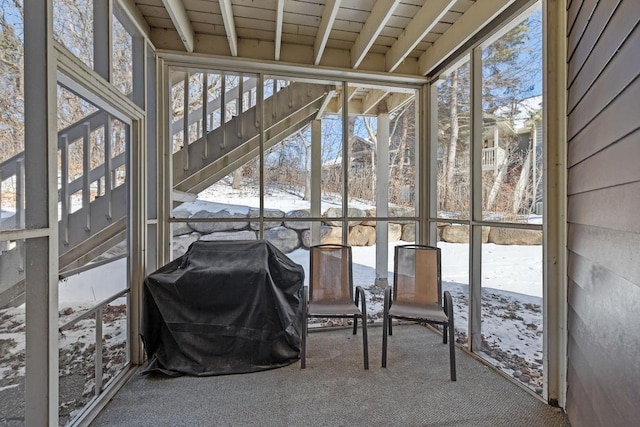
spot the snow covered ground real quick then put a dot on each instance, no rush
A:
(511, 300)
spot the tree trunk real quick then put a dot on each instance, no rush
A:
(500, 175)
(307, 170)
(237, 178)
(452, 149)
(520, 192)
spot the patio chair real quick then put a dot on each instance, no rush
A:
(417, 295)
(330, 293)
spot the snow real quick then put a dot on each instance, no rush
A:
(511, 292)
(93, 285)
(275, 198)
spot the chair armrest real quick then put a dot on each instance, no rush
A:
(360, 293)
(448, 306)
(387, 298)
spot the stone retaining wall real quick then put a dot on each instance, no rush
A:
(288, 230)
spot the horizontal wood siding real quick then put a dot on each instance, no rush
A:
(603, 212)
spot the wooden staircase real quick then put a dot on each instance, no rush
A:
(100, 224)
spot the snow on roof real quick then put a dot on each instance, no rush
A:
(524, 110)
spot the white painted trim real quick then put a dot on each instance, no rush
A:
(249, 49)
(204, 61)
(422, 23)
(135, 16)
(137, 234)
(316, 178)
(555, 276)
(279, 20)
(85, 82)
(345, 163)
(382, 197)
(476, 17)
(326, 23)
(102, 43)
(380, 14)
(41, 272)
(180, 19)
(428, 167)
(229, 26)
(164, 163)
(475, 237)
(20, 234)
(372, 99)
(325, 103)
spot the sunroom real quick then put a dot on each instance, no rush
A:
(134, 128)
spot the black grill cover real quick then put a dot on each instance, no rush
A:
(223, 308)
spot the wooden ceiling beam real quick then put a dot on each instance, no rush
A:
(380, 14)
(397, 100)
(422, 23)
(326, 23)
(180, 19)
(371, 100)
(229, 26)
(471, 22)
(279, 20)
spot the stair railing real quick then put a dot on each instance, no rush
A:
(216, 112)
(13, 169)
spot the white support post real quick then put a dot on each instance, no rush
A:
(240, 101)
(164, 163)
(223, 109)
(475, 237)
(345, 163)
(316, 179)
(86, 174)
(185, 124)
(20, 193)
(41, 273)
(260, 113)
(153, 92)
(107, 166)
(138, 70)
(102, 38)
(65, 197)
(555, 202)
(137, 179)
(382, 199)
(205, 111)
(429, 167)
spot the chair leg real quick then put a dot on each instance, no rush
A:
(363, 313)
(355, 316)
(365, 344)
(386, 326)
(448, 306)
(444, 334)
(303, 343)
(452, 352)
(387, 305)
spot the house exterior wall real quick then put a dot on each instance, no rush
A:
(603, 190)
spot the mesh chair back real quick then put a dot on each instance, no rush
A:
(417, 275)
(331, 279)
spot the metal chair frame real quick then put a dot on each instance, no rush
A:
(351, 307)
(448, 324)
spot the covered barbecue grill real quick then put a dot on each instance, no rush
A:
(223, 308)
